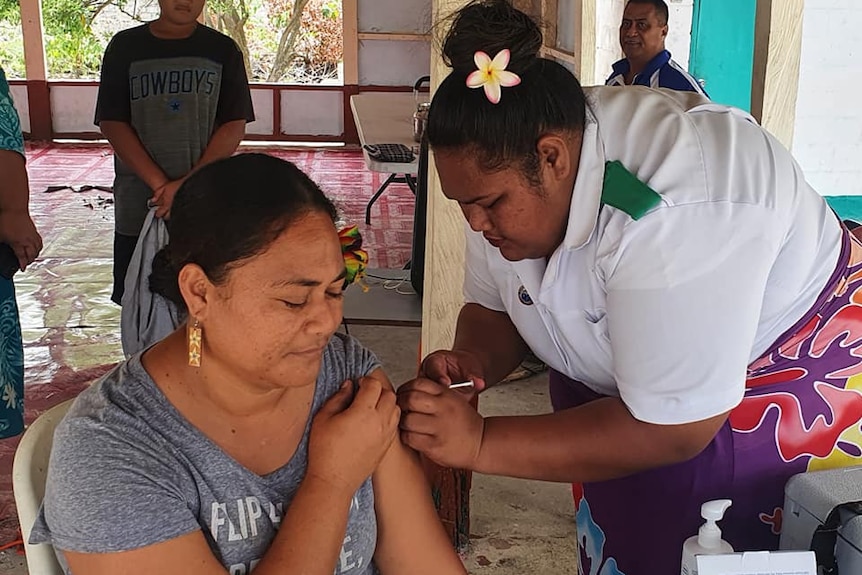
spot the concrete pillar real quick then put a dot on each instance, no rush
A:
(444, 260)
(777, 54)
(441, 302)
(585, 40)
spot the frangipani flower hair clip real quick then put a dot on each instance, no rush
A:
(355, 258)
(492, 74)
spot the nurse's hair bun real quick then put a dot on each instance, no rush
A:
(502, 134)
(491, 26)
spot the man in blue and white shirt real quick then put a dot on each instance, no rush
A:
(647, 63)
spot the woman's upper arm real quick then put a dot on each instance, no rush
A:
(410, 537)
(185, 555)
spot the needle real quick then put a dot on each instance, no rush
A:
(462, 384)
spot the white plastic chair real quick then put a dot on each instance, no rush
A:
(29, 472)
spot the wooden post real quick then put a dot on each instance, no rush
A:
(531, 7)
(350, 64)
(350, 30)
(442, 300)
(777, 55)
(585, 41)
(551, 22)
(583, 28)
(38, 94)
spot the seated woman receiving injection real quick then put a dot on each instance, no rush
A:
(255, 437)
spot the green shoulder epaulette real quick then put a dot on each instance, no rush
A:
(622, 190)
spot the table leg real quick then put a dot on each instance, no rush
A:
(377, 195)
(411, 181)
(450, 490)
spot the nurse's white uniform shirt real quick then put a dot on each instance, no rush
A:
(667, 311)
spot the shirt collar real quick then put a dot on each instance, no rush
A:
(620, 67)
(623, 66)
(587, 193)
(660, 60)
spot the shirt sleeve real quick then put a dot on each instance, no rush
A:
(107, 492)
(235, 95)
(11, 138)
(113, 102)
(685, 288)
(479, 285)
(362, 359)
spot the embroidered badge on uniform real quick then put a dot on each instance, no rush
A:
(524, 296)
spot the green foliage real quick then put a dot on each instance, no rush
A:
(73, 56)
(11, 52)
(9, 11)
(279, 12)
(275, 41)
(69, 17)
(72, 48)
(331, 9)
(11, 43)
(321, 43)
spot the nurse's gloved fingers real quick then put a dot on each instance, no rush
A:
(421, 423)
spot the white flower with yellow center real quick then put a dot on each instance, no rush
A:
(492, 74)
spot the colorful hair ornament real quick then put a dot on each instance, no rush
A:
(355, 258)
(492, 74)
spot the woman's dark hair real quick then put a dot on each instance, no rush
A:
(231, 210)
(548, 99)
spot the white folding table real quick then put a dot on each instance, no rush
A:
(387, 118)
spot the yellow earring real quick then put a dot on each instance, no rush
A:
(195, 338)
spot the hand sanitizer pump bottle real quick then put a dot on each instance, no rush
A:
(708, 540)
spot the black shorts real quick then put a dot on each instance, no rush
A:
(124, 248)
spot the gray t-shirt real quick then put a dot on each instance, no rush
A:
(128, 470)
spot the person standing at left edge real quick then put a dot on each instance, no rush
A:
(18, 231)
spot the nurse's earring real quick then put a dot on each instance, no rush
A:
(195, 339)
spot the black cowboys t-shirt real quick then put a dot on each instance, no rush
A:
(174, 93)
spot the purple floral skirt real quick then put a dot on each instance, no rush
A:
(802, 411)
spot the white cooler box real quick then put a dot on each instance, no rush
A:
(823, 512)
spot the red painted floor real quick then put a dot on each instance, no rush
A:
(71, 328)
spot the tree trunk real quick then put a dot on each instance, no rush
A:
(234, 26)
(231, 19)
(287, 42)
